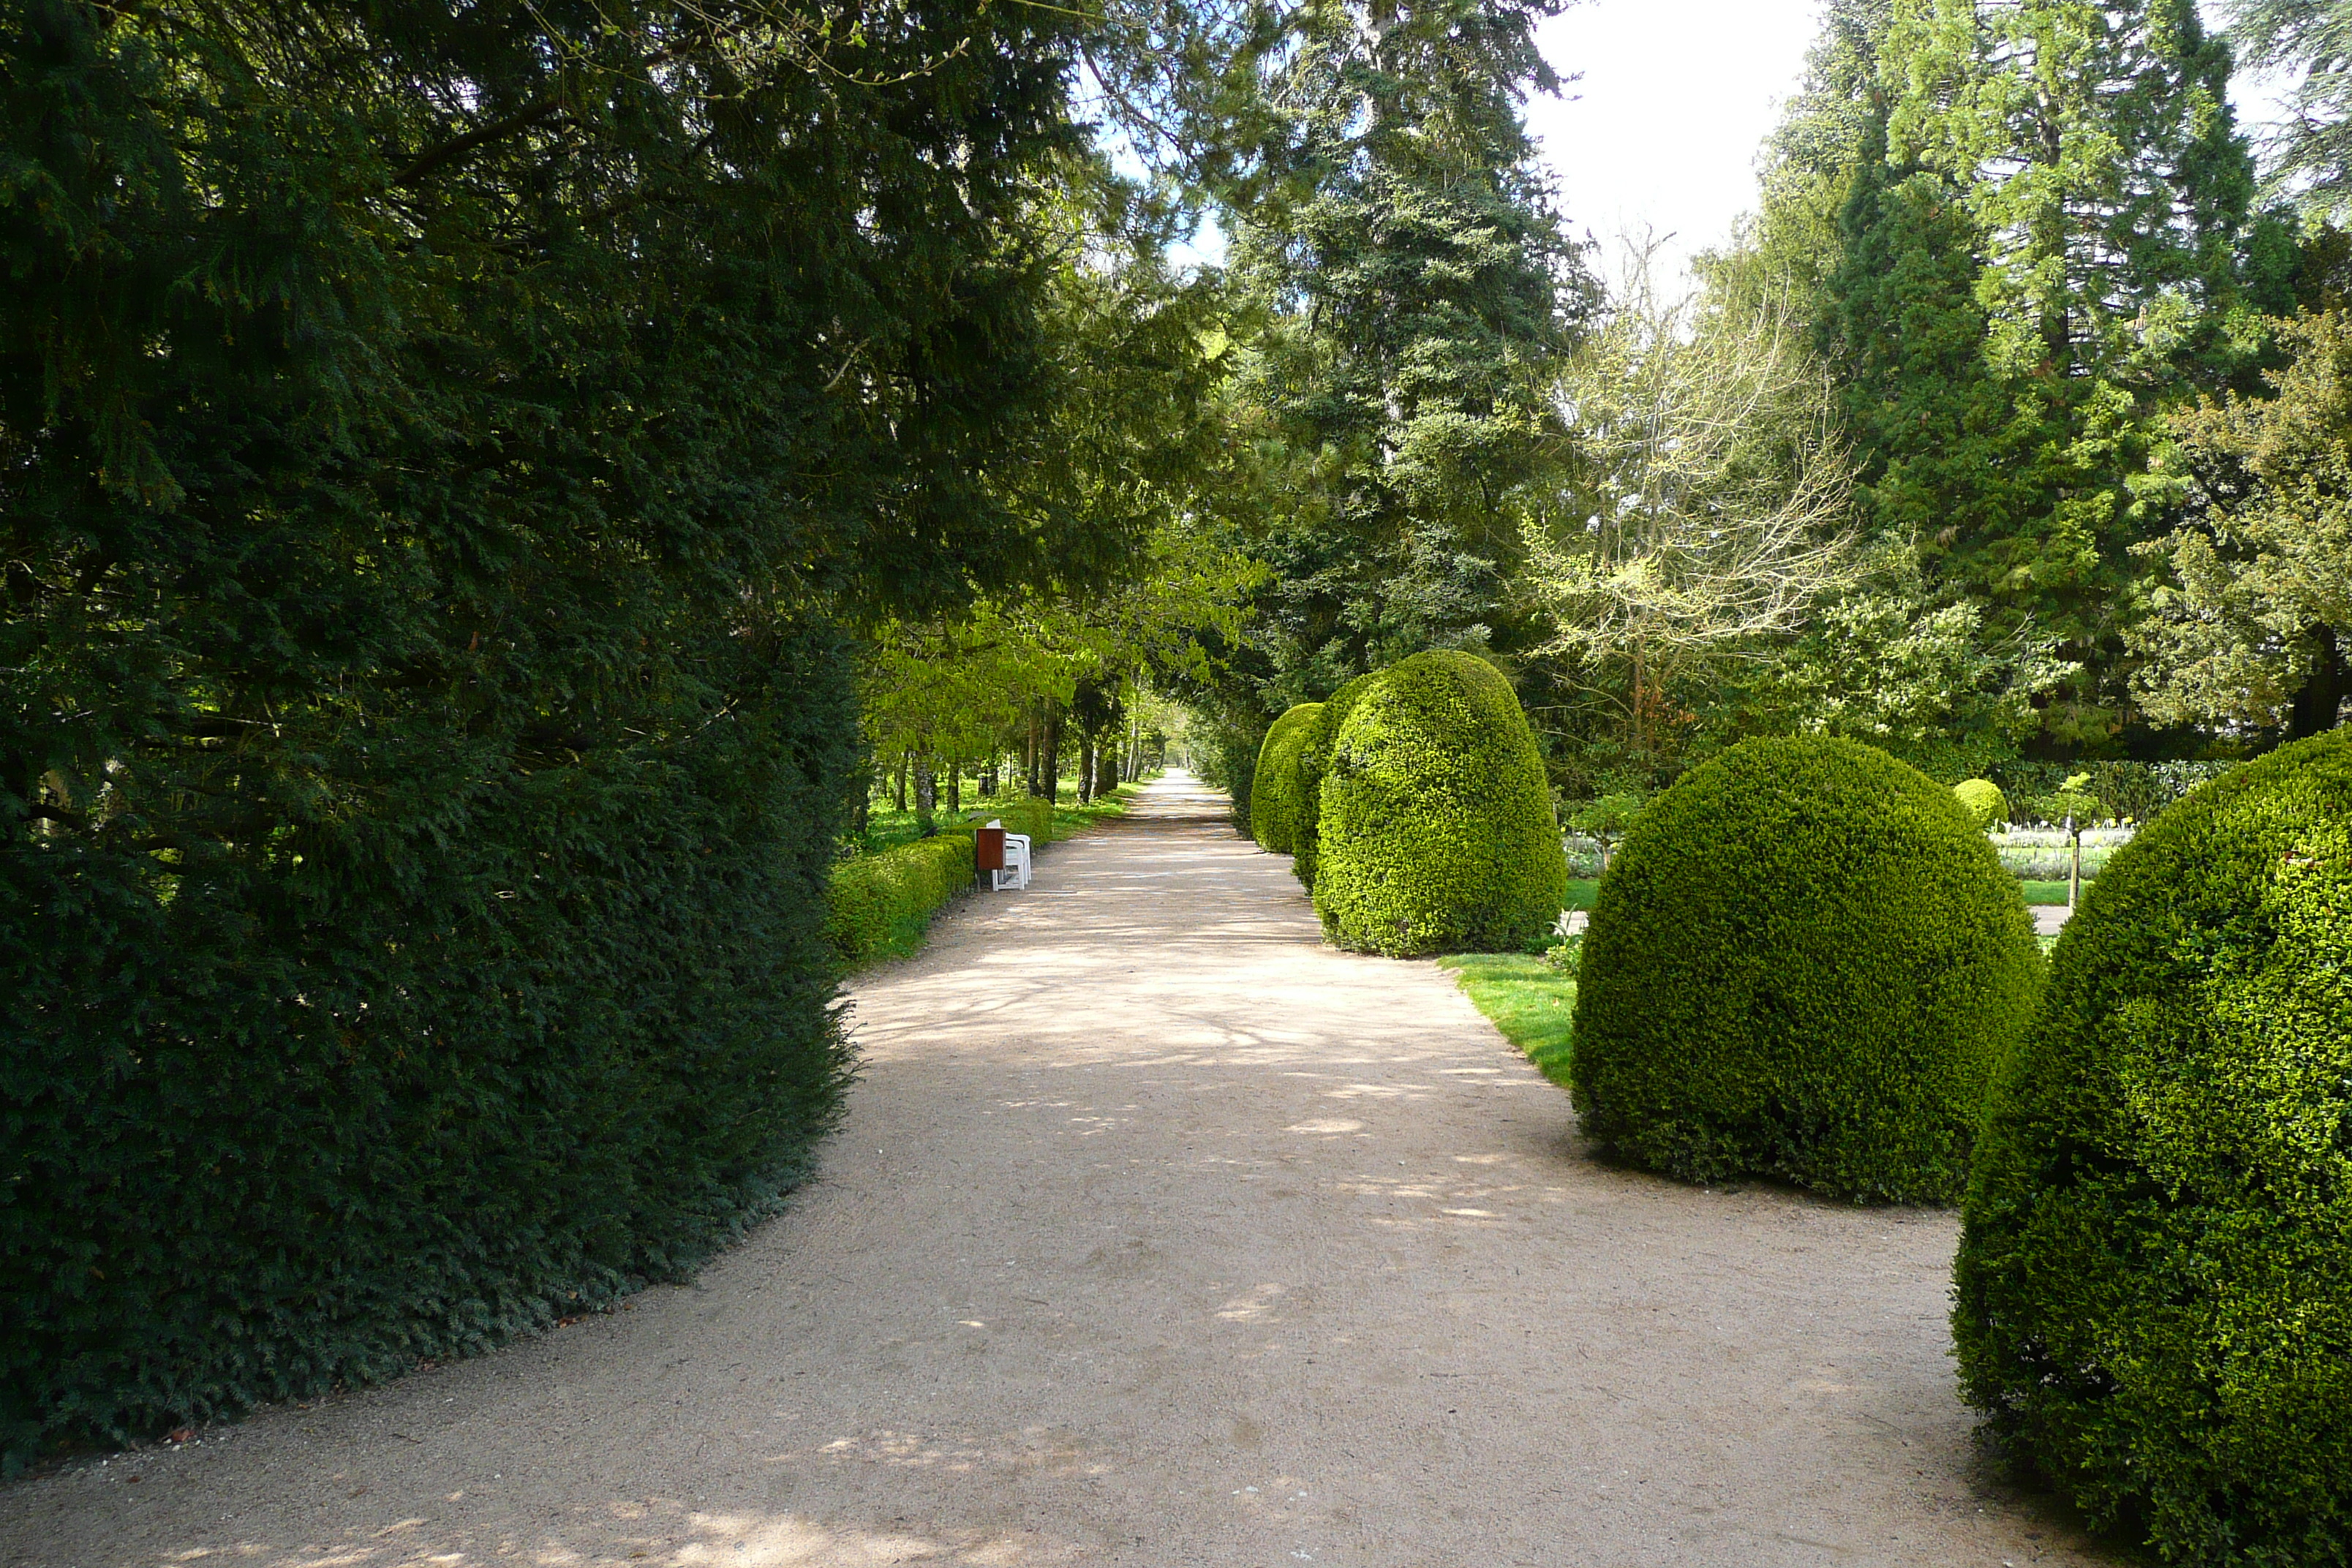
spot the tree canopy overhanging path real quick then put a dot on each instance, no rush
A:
(1160, 1233)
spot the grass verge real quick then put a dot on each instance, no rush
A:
(2046, 892)
(1527, 999)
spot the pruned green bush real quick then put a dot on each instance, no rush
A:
(1314, 761)
(881, 902)
(1982, 800)
(2154, 1284)
(1803, 964)
(1437, 832)
(1274, 794)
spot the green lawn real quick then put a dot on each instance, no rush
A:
(886, 828)
(1582, 890)
(1527, 999)
(2046, 892)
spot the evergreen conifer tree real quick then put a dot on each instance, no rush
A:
(1414, 277)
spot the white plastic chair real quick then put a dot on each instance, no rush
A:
(1016, 860)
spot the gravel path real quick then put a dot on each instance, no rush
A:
(1161, 1235)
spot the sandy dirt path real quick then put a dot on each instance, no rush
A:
(1160, 1234)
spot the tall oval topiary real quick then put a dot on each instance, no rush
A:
(1804, 963)
(1274, 794)
(2153, 1294)
(1436, 831)
(1982, 800)
(1314, 761)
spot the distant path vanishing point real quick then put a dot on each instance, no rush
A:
(1161, 1234)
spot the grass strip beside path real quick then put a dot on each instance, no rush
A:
(1527, 999)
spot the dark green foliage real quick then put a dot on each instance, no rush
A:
(880, 903)
(1982, 800)
(1274, 794)
(2153, 1286)
(1314, 759)
(1839, 1037)
(433, 437)
(1437, 831)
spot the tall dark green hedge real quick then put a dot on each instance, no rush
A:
(2154, 1285)
(1314, 761)
(1274, 792)
(1437, 829)
(436, 440)
(1804, 963)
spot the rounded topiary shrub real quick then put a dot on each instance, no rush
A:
(1274, 794)
(2154, 1286)
(1314, 761)
(1982, 800)
(1437, 832)
(1804, 963)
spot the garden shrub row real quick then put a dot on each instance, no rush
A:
(2154, 1285)
(1436, 830)
(1840, 1037)
(881, 902)
(1275, 792)
(2153, 1291)
(1415, 806)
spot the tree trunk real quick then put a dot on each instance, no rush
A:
(1085, 768)
(2320, 704)
(2075, 871)
(1030, 758)
(955, 787)
(898, 785)
(1049, 753)
(927, 791)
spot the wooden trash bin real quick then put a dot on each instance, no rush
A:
(987, 849)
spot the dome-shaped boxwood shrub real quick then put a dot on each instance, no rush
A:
(1274, 794)
(1982, 800)
(1314, 761)
(1804, 963)
(1437, 832)
(2154, 1286)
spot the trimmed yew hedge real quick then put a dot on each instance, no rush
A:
(1982, 800)
(2154, 1285)
(1437, 832)
(1314, 761)
(881, 902)
(1804, 963)
(1274, 794)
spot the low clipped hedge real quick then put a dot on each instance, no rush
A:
(1314, 761)
(1437, 832)
(881, 902)
(1804, 963)
(1029, 814)
(2153, 1286)
(1982, 800)
(1274, 794)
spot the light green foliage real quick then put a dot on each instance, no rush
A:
(2071, 801)
(880, 903)
(2154, 1285)
(2252, 629)
(1804, 964)
(1314, 761)
(1982, 800)
(1437, 829)
(1531, 1000)
(1274, 794)
(1608, 819)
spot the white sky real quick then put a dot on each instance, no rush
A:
(1662, 131)
(1676, 99)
